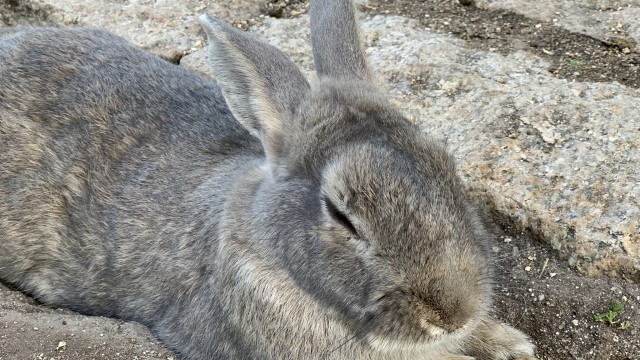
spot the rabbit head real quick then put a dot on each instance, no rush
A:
(383, 234)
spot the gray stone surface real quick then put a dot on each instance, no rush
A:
(166, 27)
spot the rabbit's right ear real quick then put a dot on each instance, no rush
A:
(261, 85)
(336, 40)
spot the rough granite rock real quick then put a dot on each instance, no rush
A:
(168, 28)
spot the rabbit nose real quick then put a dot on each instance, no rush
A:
(452, 302)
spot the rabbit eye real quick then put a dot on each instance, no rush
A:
(340, 217)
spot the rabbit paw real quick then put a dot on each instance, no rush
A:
(493, 340)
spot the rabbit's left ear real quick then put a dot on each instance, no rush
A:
(336, 41)
(261, 85)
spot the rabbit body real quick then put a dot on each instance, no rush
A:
(262, 219)
(115, 168)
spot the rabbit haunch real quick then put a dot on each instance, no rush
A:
(257, 217)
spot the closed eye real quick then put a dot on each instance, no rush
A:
(340, 217)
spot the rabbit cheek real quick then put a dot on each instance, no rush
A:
(343, 277)
(351, 275)
(397, 326)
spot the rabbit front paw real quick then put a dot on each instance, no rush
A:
(493, 340)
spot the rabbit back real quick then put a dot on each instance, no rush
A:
(107, 155)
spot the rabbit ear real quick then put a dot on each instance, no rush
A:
(261, 85)
(336, 40)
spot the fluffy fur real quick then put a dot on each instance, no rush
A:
(256, 218)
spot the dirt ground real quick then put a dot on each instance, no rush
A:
(540, 294)
(573, 56)
(536, 291)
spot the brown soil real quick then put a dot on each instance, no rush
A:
(573, 56)
(541, 295)
(285, 8)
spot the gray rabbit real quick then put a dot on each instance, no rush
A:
(261, 219)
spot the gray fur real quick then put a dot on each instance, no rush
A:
(262, 219)
(336, 40)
